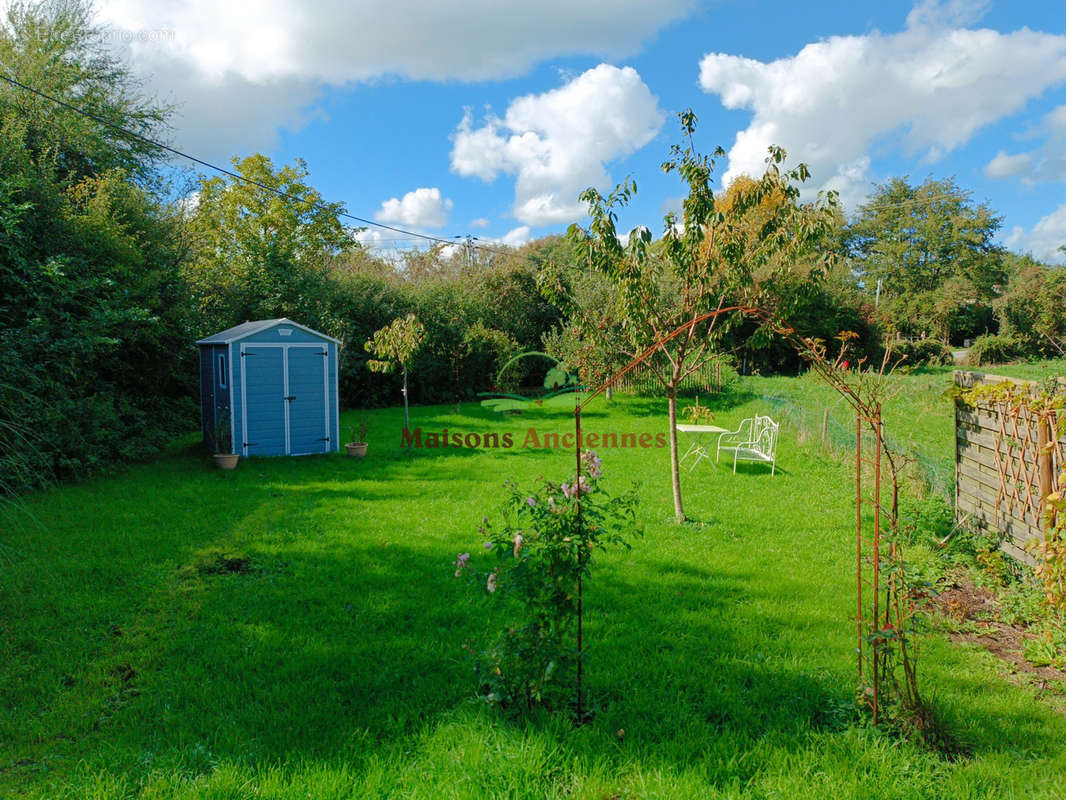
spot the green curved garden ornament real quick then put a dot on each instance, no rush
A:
(560, 383)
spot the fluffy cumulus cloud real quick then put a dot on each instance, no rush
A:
(517, 236)
(368, 236)
(1045, 238)
(1007, 166)
(423, 208)
(242, 70)
(933, 85)
(1046, 163)
(336, 41)
(559, 142)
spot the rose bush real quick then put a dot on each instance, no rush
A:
(538, 558)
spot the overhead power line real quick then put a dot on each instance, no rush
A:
(230, 173)
(470, 242)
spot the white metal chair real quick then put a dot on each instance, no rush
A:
(754, 440)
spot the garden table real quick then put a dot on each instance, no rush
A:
(697, 435)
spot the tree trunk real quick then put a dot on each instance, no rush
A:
(675, 468)
(406, 415)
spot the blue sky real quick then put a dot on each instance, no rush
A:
(474, 117)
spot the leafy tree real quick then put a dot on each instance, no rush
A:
(93, 321)
(484, 351)
(394, 346)
(438, 261)
(592, 341)
(817, 309)
(510, 301)
(54, 47)
(358, 259)
(447, 308)
(915, 239)
(709, 259)
(261, 255)
(1031, 309)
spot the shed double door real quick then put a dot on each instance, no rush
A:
(286, 399)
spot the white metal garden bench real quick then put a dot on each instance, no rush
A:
(754, 440)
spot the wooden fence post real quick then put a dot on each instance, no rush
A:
(1044, 439)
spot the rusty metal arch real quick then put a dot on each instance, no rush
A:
(811, 352)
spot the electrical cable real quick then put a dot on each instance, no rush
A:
(234, 175)
(469, 243)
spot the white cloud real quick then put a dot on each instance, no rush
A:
(1045, 239)
(424, 208)
(1055, 121)
(516, 237)
(1049, 162)
(370, 237)
(559, 142)
(190, 202)
(241, 71)
(1007, 166)
(480, 222)
(335, 41)
(222, 117)
(1046, 163)
(946, 13)
(933, 85)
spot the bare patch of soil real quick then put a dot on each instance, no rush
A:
(965, 602)
(226, 565)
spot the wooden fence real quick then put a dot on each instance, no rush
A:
(708, 379)
(1003, 465)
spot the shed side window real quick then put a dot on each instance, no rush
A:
(222, 370)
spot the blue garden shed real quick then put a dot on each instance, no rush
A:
(272, 384)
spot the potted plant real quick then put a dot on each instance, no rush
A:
(697, 414)
(357, 446)
(223, 441)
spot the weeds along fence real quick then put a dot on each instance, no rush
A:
(834, 430)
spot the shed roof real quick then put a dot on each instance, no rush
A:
(246, 329)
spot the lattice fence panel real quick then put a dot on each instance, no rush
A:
(997, 466)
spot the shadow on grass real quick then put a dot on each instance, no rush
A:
(685, 651)
(656, 405)
(309, 649)
(332, 640)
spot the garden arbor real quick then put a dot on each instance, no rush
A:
(747, 253)
(886, 663)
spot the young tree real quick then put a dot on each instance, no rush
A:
(710, 258)
(395, 345)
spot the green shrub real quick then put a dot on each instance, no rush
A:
(995, 349)
(925, 351)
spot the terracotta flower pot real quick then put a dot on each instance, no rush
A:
(356, 449)
(227, 460)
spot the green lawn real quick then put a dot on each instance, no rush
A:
(135, 663)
